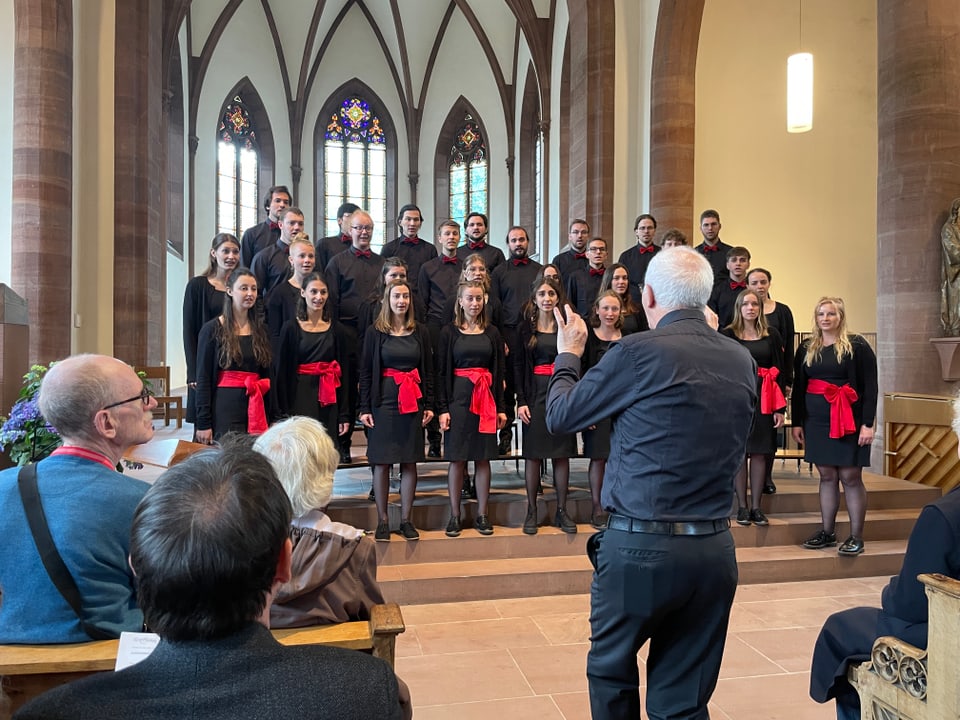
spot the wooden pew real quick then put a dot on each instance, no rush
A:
(29, 670)
(902, 682)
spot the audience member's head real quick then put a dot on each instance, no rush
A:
(209, 544)
(304, 459)
(97, 400)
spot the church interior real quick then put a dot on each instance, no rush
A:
(136, 130)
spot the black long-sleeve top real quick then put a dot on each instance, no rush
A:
(445, 367)
(492, 256)
(438, 281)
(257, 238)
(371, 369)
(511, 282)
(861, 375)
(351, 278)
(271, 267)
(202, 302)
(413, 251)
(287, 361)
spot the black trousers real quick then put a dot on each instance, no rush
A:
(675, 591)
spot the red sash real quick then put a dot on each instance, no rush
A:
(543, 369)
(482, 402)
(329, 373)
(255, 386)
(840, 399)
(409, 390)
(771, 397)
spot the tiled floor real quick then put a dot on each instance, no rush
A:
(526, 658)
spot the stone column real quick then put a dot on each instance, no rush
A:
(43, 171)
(139, 247)
(918, 129)
(673, 114)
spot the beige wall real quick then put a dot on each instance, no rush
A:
(805, 205)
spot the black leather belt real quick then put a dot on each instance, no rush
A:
(661, 527)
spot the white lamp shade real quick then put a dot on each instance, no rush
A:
(800, 93)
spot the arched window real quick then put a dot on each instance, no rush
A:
(355, 164)
(467, 170)
(238, 166)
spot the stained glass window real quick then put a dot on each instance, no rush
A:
(355, 165)
(468, 171)
(238, 163)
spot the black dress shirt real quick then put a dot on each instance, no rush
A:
(351, 278)
(681, 397)
(512, 282)
(723, 300)
(492, 256)
(257, 238)
(438, 281)
(717, 258)
(568, 261)
(271, 267)
(583, 286)
(326, 248)
(413, 251)
(636, 263)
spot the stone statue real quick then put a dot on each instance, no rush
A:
(950, 273)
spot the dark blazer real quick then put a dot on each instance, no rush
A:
(244, 675)
(371, 370)
(445, 368)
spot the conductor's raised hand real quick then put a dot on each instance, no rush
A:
(571, 331)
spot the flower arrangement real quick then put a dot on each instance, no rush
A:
(25, 433)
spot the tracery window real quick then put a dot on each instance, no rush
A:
(238, 164)
(468, 171)
(355, 165)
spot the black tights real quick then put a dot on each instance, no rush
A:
(595, 474)
(408, 489)
(481, 480)
(561, 480)
(831, 477)
(758, 476)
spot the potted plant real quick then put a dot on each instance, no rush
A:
(25, 436)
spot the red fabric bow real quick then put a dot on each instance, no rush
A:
(841, 410)
(255, 386)
(738, 285)
(361, 253)
(579, 256)
(642, 249)
(771, 397)
(274, 225)
(596, 271)
(329, 373)
(447, 260)
(520, 261)
(409, 388)
(346, 240)
(410, 241)
(477, 245)
(481, 402)
(546, 369)
(709, 248)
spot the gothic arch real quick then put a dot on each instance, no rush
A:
(448, 131)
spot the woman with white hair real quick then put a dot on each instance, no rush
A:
(334, 566)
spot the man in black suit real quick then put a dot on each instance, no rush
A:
(265, 234)
(210, 547)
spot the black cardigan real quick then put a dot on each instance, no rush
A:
(446, 367)
(862, 378)
(370, 368)
(286, 362)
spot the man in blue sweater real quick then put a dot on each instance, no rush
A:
(100, 407)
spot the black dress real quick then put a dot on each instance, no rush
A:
(781, 320)
(538, 442)
(281, 308)
(224, 409)
(596, 442)
(812, 411)
(202, 302)
(464, 441)
(396, 437)
(768, 353)
(298, 394)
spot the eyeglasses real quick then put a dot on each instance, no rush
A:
(597, 249)
(143, 397)
(363, 228)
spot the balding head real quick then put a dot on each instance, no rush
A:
(676, 278)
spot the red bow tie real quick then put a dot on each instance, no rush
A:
(477, 245)
(520, 261)
(361, 253)
(274, 226)
(646, 249)
(738, 285)
(579, 256)
(410, 241)
(596, 271)
(447, 260)
(710, 248)
(346, 240)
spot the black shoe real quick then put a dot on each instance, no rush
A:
(453, 527)
(383, 532)
(408, 531)
(434, 451)
(372, 497)
(851, 546)
(769, 489)
(483, 525)
(743, 516)
(820, 539)
(506, 445)
(563, 521)
(530, 523)
(345, 456)
(757, 518)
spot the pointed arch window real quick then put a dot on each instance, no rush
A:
(355, 164)
(238, 167)
(467, 171)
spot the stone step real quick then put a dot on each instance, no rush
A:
(432, 582)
